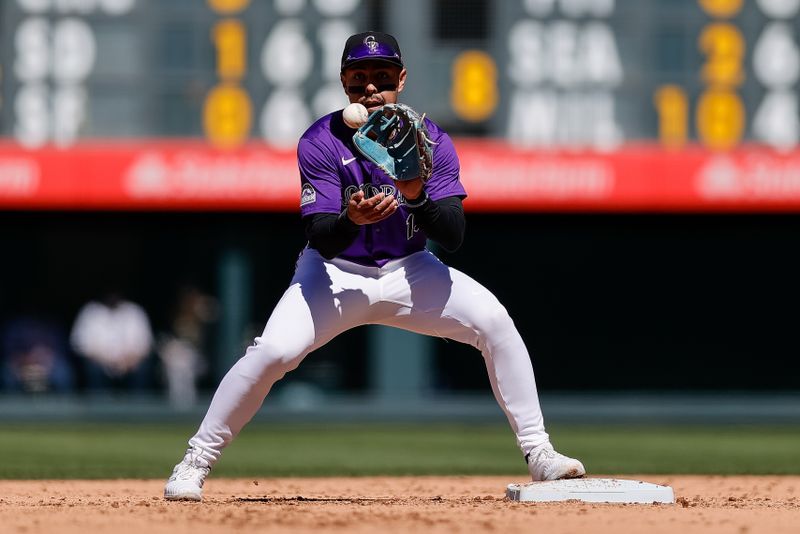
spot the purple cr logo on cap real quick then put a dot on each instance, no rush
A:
(371, 45)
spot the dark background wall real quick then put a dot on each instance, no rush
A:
(603, 301)
(651, 301)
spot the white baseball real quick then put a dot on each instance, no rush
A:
(355, 115)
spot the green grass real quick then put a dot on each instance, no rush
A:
(146, 451)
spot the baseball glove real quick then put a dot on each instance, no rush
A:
(396, 140)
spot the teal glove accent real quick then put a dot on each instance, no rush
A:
(396, 140)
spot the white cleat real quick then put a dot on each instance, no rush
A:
(544, 463)
(186, 481)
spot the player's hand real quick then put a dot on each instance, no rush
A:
(411, 189)
(370, 210)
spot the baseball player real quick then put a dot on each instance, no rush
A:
(366, 263)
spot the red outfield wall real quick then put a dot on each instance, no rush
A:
(177, 175)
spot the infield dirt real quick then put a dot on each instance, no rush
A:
(715, 504)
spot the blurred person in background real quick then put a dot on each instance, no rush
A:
(114, 337)
(366, 263)
(182, 349)
(36, 357)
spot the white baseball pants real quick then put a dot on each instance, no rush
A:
(417, 293)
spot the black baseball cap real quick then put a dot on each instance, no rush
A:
(371, 45)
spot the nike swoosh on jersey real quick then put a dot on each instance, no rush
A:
(347, 161)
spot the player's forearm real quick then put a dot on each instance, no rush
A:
(442, 221)
(329, 233)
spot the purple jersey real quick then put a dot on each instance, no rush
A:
(332, 169)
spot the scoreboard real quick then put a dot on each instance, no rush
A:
(555, 105)
(221, 69)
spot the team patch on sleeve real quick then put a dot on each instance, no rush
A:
(308, 195)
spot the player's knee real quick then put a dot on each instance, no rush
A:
(494, 319)
(275, 356)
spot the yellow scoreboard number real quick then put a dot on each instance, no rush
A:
(227, 7)
(723, 45)
(720, 118)
(473, 94)
(227, 115)
(720, 113)
(721, 8)
(228, 111)
(673, 108)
